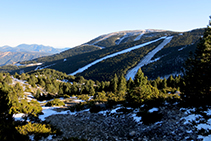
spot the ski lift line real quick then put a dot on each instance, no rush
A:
(115, 54)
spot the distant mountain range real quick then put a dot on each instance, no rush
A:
(32, 48)
(158, 52)
(23, 52)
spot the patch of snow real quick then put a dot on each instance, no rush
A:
(40, 68)
(189, 131)
(205, 138)
(91, 97)
(208, 112)
(64, 60)
(18, 116)
(153, 110)
(35, 64)
(136, 118)
(31, 137)
(78, 100)
(203, 126)
(181, 34)
(48, 111)
(115, 110)
(159, 122)
(103, 112)
(191, 118)
(181, 48)
(138, 37)
(113, 55)
(146, 60)
(50, 137)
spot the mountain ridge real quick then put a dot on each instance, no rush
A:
(32, 47)
(172, 55)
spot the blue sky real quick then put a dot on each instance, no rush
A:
(68, 23)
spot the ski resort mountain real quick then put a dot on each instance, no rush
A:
(120, 52)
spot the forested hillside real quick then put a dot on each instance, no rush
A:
(167, 61)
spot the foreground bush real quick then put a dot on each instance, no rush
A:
(83, 97)
(55, 102)
(37, 129)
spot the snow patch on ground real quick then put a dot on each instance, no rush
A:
(78, 100)
(136, 118)
(153, 110)
(40, 68)
(18, 116)
(48, 111)
(181, 48)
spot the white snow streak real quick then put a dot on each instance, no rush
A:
(138, 37)
(113, 55)
(146, 60)
(39, 68)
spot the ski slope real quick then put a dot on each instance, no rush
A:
(115, 54)
(147, 59)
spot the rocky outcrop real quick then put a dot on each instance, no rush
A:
(96, 127)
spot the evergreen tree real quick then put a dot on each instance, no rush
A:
(7, 129)
(122, 84)
(114, 83)
(197, 75)
(19, 90)
(98, 84)
(1, 77)
(102, 86)
(74, 88)
(164, 83)
(91, 91)
(8, 79)
(154, 84)
(140, 79)
(130, 83)
(23, 76)
(38, 93)
(41, 82)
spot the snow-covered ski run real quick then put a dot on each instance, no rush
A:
(147, 59)
(115, 54)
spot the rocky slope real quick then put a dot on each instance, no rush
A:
(119, 126)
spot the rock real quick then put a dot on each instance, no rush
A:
(132, 133)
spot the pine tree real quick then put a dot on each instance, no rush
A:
(164, 83)
(140, 79)
(1, 77)
(91, 91)
(122, 84)
(197, 75)
(130, 83)
(8, 79)
(154, 84)
(114, 84)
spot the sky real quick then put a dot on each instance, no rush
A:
(68, 23)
